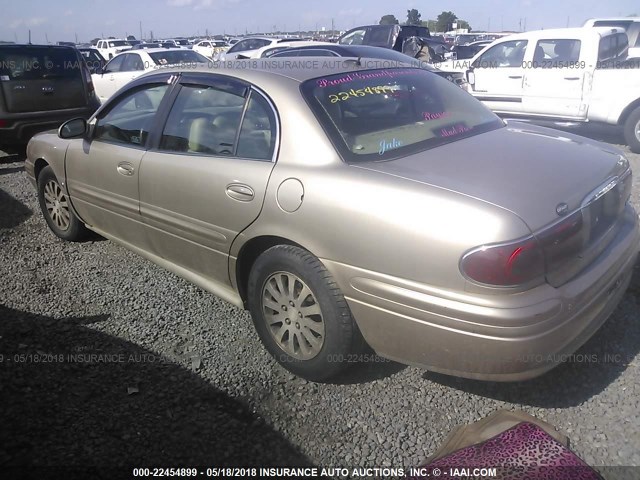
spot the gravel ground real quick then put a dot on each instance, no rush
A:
(179, 377)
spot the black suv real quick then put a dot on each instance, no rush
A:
(41, 86)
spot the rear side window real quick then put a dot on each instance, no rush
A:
(613, 46)
(132, 62)
(258, 132)
(204, 120)
(374, 115)
(556, 53)
(38, 63)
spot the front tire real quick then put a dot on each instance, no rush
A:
(55, 207)
(632, 131)
(300, 314)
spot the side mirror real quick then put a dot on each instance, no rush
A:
(471, 77)
(73, 128)
(99, 70)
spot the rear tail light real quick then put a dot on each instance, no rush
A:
(3, 123)
(505, 265)
(87, 77)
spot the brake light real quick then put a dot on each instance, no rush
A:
(87, 76)
(505, 265)
(3, 123)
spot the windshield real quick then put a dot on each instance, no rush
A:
(387, 113)
(182, 42)
(173, 57)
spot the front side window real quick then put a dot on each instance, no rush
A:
(505, 54)
(204, 120)
(115, 65)
(381, 114)
(130, 119)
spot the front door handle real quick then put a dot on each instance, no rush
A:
(125, 169)
(572, 78)
(515, 76)
(240, 192)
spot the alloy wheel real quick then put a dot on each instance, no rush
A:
(293, 316)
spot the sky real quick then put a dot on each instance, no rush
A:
(87, 19)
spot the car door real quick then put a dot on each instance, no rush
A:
(555, 83)
(102, 170)
(206, 180)
(132, 67)
(496, 76)
(105, 83)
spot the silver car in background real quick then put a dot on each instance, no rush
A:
(343, 203)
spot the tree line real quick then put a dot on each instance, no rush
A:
(443, 23)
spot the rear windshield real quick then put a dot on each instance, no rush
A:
(388, 113)
(119, 43)
(174, 57)
(38, 63)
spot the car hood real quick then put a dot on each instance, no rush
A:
(526, 169)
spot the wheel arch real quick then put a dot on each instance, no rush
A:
(38, 166)
(627, 111)
(250, 252)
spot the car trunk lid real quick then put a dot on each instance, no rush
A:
(569, 190)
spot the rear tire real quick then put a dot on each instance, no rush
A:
(55, 207)
(300, 314)
(632, 131)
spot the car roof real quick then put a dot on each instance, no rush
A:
(563, 33)
(157, 49)
(612, 19)
(297, 69)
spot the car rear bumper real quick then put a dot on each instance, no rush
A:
(22, 126)
(489, 337)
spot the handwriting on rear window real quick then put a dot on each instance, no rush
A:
(435, 115)
(332, 82)
(360, 92)
(386, 145)
(452, 130)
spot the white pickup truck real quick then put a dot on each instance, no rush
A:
(111, 47)
(561, 75)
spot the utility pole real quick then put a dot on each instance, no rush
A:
(332, 27)
(29, 36)
(567, 22)
(46, 38)
(76, 38)
(140, 29)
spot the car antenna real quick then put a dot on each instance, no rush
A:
(357, 61)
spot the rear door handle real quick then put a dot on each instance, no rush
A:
(515, 76)
(240, 192)
(572, 78)
(125, 169)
